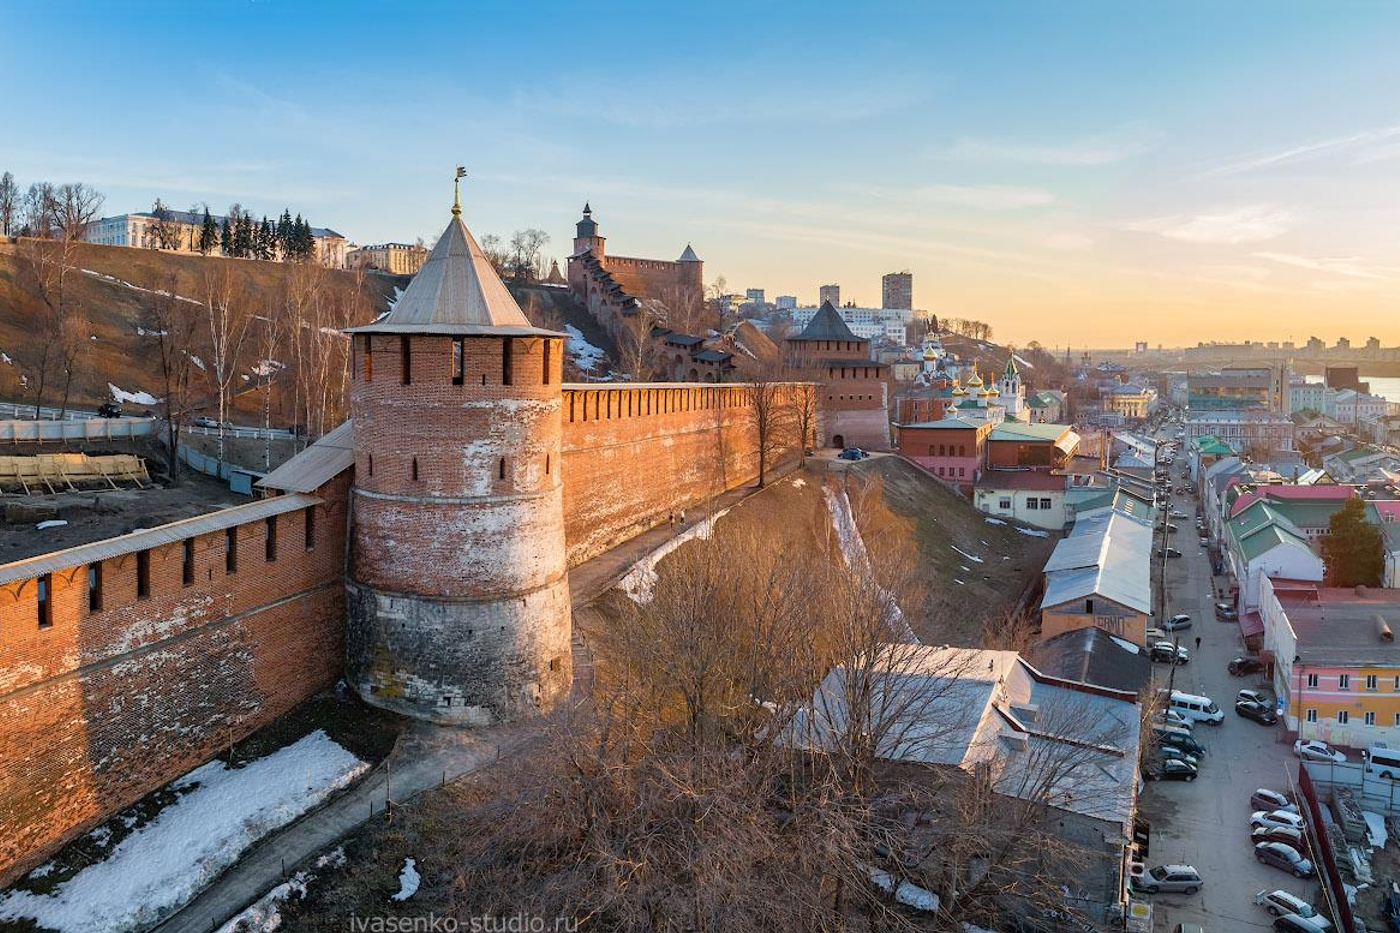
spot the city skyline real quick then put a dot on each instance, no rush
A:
(1093, 175)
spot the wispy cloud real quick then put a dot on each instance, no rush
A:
(1351, 266)
(1250, 224)
(985, 197)
(1303, 152)
(1100, 150)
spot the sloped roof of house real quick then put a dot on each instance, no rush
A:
(1036, 480)
(826, 324)
(1108, 554)
(945, 424)
(1092, 656)
(958, 707)
(457, 292)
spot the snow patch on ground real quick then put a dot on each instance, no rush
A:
(393, 302)
(584, 354)
(994, 521)
(263, 916)
(1022, 361)
(267, 367)
(1033, 532)
(51, 523)
(196, 361)
(972, 557)
(911, 895)
(6, 358)
(137, 398)
(640, 581)
(959, 582)
(853, 552)
(150, 291)
(408, 881)
(43, 871)
(799, 483)
(165, 863)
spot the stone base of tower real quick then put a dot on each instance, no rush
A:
(460, 662)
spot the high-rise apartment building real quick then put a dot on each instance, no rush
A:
(897, 290)
(831, 293)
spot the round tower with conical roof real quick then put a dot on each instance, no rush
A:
(458, 589)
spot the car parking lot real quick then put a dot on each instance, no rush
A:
(1206, 823)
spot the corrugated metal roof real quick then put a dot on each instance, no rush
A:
(456, 292)
(1108, 554)
(153, 537)
(309, 470)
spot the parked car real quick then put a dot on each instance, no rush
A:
(1177, 513)
(1258, 712)
(109, 410)
(1186, 927)
(1194, 706)
(1241, 667)
(853, 453)
(1182, 741)
(1278, 903)
(1170, 552)
(1292, 923)
(1177, 622)
(1173, 718)
(1317, 750)
(1262, 697)
(1226, 612)
(1276, 818)
(1283, 856)
(1167, 653)
(1265, 799)
(1169, 769)
(1284, 834)
(1171, 879)
(1156, 634)
(1171, 751)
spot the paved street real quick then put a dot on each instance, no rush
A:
(1206, 823)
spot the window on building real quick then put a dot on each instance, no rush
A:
(1045, 503)
(310, 514)
(143, 574)
(94, 587)
(231, 550)
(414, 469)
(1343, 717)
(1311, 715)
(548, 346)
(459, 362)
(1004, 502)
(369, 359)
(505, 361)
(271, 541)
(1033, 504)
(1370, 681)
(45, 600)
(370, 457)
(962, 471)
(940, 471)
(1089, 606)
(187, 562)
(1312, 680)
(501, 469)
(1344, 682)
(406, 355)
(1370, 719)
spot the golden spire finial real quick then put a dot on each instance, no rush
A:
(457, 191)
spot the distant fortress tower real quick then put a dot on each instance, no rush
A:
(458, 591)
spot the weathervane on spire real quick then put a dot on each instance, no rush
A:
(457, 191)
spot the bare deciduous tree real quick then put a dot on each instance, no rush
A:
(227, 318)
(9, 204)
(635, 348)
(172, 324)
(74, 207)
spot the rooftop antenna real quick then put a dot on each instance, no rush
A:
(457, 191)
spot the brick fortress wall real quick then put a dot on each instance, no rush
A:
(635, 453)
(654, 278)
(103, 706)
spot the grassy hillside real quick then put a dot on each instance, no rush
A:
(110, 297)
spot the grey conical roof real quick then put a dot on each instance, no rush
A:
(456, 292)
(688, 255)
(826, 324)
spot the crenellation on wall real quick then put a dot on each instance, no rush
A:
(103, 706)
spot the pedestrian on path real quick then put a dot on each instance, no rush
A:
(672, 518)
(1198, 643)
(682, 516)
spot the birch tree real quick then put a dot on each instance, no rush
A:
(172, 324)
(227, 320)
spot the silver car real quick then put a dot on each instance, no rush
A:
(1182, 879)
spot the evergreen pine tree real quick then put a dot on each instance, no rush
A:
(226, 239)
(208, 234)
(284, 234)
(243, 237)
(1353, 550)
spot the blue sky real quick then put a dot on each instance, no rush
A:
(1089, 173)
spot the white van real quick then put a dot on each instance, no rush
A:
(1383, 761)
(1201, 709)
